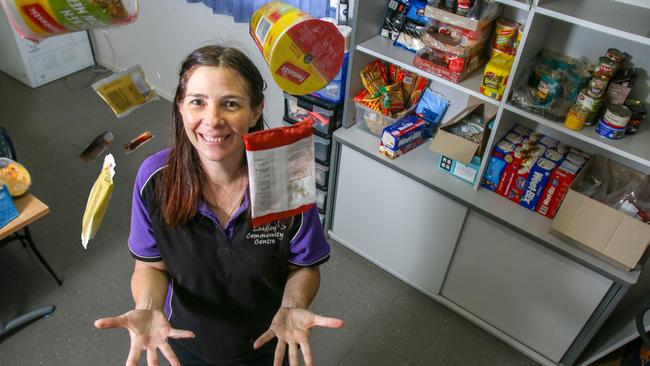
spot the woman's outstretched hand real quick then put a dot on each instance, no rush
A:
(149, 330)
(292, 326)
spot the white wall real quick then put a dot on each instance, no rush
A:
(165, 32)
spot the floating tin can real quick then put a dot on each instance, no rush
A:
(615, 55)
(304, 54)
(597, 86)
(610, 132)
(638, 115)
(576, 117)
(592, 104)
(617, 115)
(504, 33)
(605, 67)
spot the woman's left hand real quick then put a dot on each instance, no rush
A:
(292, 327)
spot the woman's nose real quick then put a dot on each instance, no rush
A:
(215, 116)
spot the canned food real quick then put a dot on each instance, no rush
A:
(615, 55)
(517, 41)
(638, 115)
(576, 117)
(504, 33)
(605, 67)
(617, 115)
(610, 132)
(597, 86)
(591, 104)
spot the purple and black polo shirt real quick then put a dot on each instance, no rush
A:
(225, 284)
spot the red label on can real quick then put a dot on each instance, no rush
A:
(40, 17)
(293, 73)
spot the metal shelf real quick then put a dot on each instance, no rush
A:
(616, 18)
(420, 165)
(634, 148)
(384, 49)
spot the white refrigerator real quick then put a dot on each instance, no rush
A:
(35, 64)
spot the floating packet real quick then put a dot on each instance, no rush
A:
(282, 177)
(125, 91)
(98, 200)
(96, 147)
(15, 175)
(137, 142)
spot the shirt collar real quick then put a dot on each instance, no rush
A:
(205, 210)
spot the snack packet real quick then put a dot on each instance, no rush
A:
(282, 172)
(125, 91)
(373, 77)
(15, 175)
(100, 195)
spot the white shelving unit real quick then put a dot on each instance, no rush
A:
(572, 27)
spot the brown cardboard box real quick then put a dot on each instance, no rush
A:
(613, 235)
(456, 147)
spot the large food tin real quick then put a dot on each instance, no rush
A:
(617, 115)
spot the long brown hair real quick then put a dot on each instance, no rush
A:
(180, 186)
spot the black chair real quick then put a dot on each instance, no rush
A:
(7, 150)
(24, 236)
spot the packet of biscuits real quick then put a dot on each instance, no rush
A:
(98, 200)
(281, 172)
(125, 91)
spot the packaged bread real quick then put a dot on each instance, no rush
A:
(15, 175)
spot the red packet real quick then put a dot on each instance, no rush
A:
(281, 172)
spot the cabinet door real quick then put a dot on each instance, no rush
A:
(535, 295)
(397, 223)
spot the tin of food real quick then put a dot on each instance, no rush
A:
(615, 55)
(576, 117)
(617, 115)
(96, 147)
(137, 142)
(638, 115)
(597, 86)
(608, 131)
(605, 67)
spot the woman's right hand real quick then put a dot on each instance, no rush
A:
(149, 330)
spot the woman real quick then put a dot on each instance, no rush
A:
(204, 280)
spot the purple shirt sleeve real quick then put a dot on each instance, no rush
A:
(142, 243)
(309, 246)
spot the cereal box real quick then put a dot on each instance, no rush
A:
(557, 187)
(536, 182)
(402, 136)
(497, 164)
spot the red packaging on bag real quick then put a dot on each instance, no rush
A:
(281, 169)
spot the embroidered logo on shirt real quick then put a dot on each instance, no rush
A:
(269, 234)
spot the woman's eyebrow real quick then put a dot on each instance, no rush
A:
(196, 95)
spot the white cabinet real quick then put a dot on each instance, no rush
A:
(529, 292)
(399, 224)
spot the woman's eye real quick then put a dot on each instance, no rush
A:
(231, 104)
(196, 102)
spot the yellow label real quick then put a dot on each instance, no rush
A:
(121, 94)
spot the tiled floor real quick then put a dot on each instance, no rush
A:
(387, 322)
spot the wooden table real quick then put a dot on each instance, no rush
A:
(30, 209)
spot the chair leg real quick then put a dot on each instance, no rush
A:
(28, 236)
(24, 319)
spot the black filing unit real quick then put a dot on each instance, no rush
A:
(327, 118)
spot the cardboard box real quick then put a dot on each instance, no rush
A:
(457, 148)
(613, 235)
(466, 172)
(462, 65)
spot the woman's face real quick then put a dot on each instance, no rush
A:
(216, 112)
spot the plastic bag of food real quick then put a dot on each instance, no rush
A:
(281, 172)
(96, 147)
(15, 175)
(38, 19)
(100, 196)
(125, 91)
(138, 141)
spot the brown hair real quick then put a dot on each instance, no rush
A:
(180, 186)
